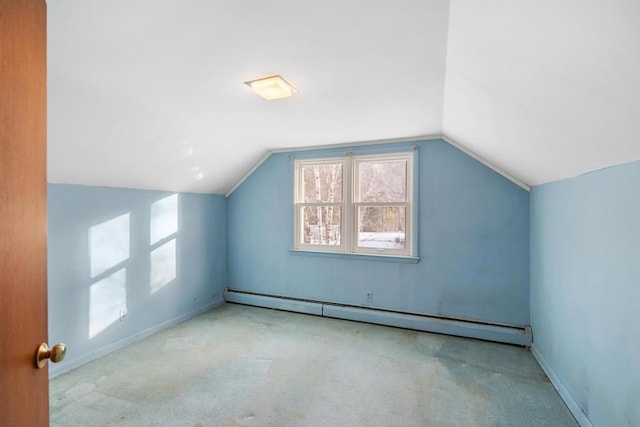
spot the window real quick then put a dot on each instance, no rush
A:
(360, 204)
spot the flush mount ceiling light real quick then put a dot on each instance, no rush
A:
(272, 87)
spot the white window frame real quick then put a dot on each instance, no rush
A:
(351, 202)
(299, 204)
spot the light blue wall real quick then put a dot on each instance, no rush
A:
(200, 260)
(585, 289)
(473, 242)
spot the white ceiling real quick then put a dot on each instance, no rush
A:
(149, 94)
(545, 89)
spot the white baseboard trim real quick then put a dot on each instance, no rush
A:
(571, 403)
(67, 365)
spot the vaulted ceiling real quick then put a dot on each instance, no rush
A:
(149, 94)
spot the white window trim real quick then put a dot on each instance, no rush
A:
(349, 206)
(298, 205)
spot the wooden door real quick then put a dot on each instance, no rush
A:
(24, 393)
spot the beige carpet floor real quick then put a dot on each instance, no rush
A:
(245, 366)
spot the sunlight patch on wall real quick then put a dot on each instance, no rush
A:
(163, 240)
(164, 218)
(163, 265)
(107, 301)
(108, 250)
(108, 244)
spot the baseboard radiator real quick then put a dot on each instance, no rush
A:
(518, 335)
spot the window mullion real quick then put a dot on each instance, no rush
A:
(296, 208)
(381, 204)
(347, 195)
(313, 204)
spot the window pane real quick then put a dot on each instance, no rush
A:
(383, 181)
(321, 225)
(381, 227)
(322, 183)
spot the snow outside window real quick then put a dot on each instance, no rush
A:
(360, 204)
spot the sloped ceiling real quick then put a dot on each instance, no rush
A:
(545, 89)
(149, 94)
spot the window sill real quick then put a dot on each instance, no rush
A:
(364, 257)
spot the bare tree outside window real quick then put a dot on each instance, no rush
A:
(380, 185)
(322, 185)
(355, 204)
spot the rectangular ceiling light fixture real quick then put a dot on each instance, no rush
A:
(272, 87)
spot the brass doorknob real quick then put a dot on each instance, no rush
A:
(56, 354)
